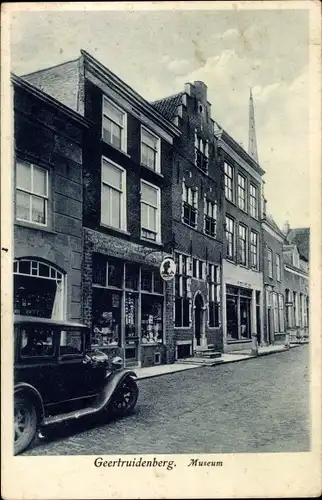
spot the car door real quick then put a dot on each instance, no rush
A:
(75, 373)
(37, 361)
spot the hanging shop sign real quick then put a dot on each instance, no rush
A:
(167, 269)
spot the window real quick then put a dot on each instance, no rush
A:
(230, 236)
(201, 153)
(71, 343)
(281, 312)
(114, 125)
(242, 236)
(38, 289)
(229, 182)
(253, 201)
(278, 267)
(275, 313)
(270, 262)
(213, 296)
(190, 204)
(254, 249)
(210, 218)
(150, 212)
(241, 192)
(194, 268)
(113, 195)
(150, 150)
(238, 311)
(37, 342)
(182, 293)
(31, 193)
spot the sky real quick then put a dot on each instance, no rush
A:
(157, 52)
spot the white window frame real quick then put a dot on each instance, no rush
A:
(228, 189)
(239, 240)
(123, 127)
(123, 197)
(270, 262)
(240, 189)
(253, 208)
(278, 267)
(213, 214)
(230, 219)
(257, 248)
(158, 215)
(158, 150)
(32, 193)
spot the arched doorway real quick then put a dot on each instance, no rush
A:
(39, 289)
(199, 322)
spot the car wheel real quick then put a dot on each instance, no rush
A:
(125, 398)
(25, 423)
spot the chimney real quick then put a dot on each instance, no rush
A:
(286, 227)
(200, 91)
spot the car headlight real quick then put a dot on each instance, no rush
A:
(117, 363)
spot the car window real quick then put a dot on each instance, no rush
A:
(71, 342)
(37, 342)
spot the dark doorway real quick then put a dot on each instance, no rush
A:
(198, 318)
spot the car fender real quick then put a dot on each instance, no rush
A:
(112, 383)
(34, 395)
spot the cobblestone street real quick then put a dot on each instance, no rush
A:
(260, 405)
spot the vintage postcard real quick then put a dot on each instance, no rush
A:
(161, 250)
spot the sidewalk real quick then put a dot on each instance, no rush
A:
(231, 357)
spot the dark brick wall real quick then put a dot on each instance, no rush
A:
(96, 148)
(46, 136)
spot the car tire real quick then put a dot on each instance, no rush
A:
(125, 398)
(25, 423)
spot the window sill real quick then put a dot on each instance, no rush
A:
(202, 171)
(30, 225)
(156, 172)
(188, 225)
(153, 242)
(115, 148)
(151, 344)
(112, 228)
(210, 236)
(183, 327)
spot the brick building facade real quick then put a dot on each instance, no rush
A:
(197, 222)
(127, 178)
(242, 292)
(274, 289)
(48, 204)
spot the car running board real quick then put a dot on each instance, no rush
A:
(72, 415)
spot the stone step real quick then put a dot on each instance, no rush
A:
(200, 361)
(208, 353)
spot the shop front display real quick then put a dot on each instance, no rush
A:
(238, 311)
(128, 309)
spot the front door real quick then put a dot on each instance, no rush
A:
(199, 338)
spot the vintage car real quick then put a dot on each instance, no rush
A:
(58, 378)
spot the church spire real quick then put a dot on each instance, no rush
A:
(252, 143)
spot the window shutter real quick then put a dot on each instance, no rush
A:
(180, 287)
(179, 271)
(190, 313)
(189, 266)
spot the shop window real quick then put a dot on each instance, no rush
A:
(115, 273)
(31, 193)
(131, 304)
(106, 317)
(151, 319)
(38, 289)
(146, 280)
(107, 271)
(132, 276)
(238, 310)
